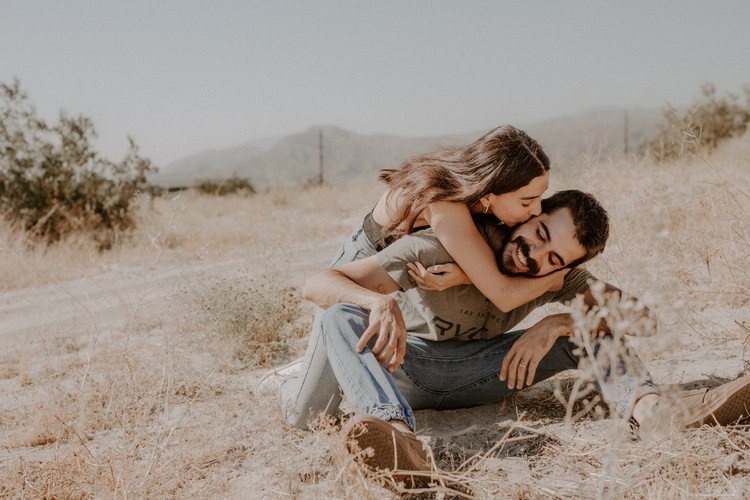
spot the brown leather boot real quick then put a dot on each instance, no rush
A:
(386, 447)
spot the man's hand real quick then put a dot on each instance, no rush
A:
(520, 364)
(365, 283)
(437, 278)
(388, 324)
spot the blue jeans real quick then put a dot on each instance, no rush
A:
(449, 374)
(316, 389)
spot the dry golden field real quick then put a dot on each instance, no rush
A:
(130, 374)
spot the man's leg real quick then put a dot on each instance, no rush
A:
(367, 385)
(726, 404)
(315, 390)
(460, 374)
(619, 374)
(627, 386)
(383, 421)
(464, 373)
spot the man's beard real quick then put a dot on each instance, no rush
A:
(507, 264)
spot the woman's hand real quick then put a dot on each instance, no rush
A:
(388, 324)
(439, 277)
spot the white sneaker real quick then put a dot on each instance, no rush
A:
(726, 404)
(272, 379)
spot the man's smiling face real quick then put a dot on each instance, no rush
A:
(541, 245)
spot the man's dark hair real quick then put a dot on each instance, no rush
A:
(590, 219)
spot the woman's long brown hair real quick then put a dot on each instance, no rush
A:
(501, 161)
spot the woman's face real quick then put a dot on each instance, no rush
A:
(520, 205)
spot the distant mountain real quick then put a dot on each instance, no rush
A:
(296, 158)
(596, 134)
(209, 164)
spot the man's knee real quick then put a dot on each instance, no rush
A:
(338, 312)
(341, 318)
(562, 356)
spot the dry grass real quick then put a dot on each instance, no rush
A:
(130, 374)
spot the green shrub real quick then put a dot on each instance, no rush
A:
(709, 121)
(233, 185)
(54, 184)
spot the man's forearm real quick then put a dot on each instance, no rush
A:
(559, 325)
(333, 287)
(640, 316)
(365, 283)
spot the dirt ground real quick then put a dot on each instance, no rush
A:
(134, 376)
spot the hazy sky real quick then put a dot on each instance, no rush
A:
(185, 76)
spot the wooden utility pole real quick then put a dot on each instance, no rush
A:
(626, 132)
(320, 151)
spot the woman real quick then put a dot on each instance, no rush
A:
(505, 172)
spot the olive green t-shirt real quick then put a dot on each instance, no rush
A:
(460, 312)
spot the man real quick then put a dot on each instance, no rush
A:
(459, 352)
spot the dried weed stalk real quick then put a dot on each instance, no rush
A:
(260, 316)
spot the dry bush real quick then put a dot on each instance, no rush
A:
(711, 120)
(53, 183)
(261, 317)
(233, 185)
